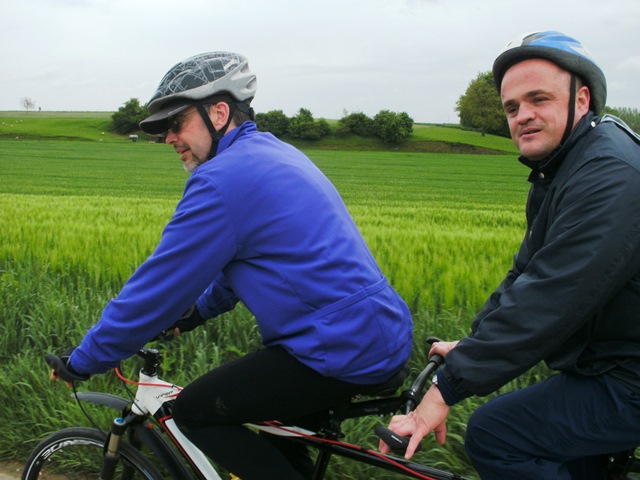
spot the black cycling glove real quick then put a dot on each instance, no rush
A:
(189, 320)
(62, 369)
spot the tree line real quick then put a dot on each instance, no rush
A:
(479, 108)
(388, 126)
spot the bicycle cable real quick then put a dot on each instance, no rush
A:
(144, 384)
(126, 382)
(84, 412)
(125, 385)
(130, 393)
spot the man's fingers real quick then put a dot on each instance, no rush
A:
(413, 445)
(54, 377)
(441, 433)
(383, 447)
(442, 348)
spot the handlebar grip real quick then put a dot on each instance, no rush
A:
(61, 369)
(396, 443)
(437, 359)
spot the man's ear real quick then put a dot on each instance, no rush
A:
(583, 100)
(219, 114)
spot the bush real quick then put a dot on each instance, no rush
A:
(275, 122)
(392, 127)
(357, 123)
(304, 127)
(128, 117)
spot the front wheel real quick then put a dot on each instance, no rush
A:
(76, 453)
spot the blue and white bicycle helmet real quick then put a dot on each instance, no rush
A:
(196, 80)
(566, 52)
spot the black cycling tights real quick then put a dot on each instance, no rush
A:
(266, 385)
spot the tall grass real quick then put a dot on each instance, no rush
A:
(76, 219)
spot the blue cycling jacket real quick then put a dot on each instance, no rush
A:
(260, 224)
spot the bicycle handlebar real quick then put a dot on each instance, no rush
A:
(418, 384)
(396, 443)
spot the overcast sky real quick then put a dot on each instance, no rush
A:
(416, 56)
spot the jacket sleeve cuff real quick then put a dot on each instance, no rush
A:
(449, 395)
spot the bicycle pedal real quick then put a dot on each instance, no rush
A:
(396, 443)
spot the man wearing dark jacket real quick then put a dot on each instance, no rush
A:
(572, 297)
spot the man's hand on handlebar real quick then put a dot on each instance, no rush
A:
(442, 348)
(187, 322)
(61, 370)
(405, 432)
(430, 415)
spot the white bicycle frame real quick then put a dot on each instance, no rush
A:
(151, 394)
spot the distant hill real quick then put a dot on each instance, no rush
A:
(94, 126)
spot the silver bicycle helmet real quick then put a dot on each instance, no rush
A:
(195, 80)
(566, 52)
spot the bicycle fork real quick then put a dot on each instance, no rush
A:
(111, 454)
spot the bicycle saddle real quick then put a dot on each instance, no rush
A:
(389, 387)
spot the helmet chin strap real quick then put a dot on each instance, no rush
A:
(572, 110)
(216, 135)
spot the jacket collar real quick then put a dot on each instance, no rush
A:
(233, 135)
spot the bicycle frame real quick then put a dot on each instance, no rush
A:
(154, 398)
(328, 447)
(151, 396)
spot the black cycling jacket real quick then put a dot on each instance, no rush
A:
(572, 297)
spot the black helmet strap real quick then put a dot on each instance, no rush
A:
(216, 135)
(572, 109)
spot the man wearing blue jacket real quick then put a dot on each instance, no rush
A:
(258, 224)
(572, 297)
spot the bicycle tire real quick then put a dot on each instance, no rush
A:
(76, 454)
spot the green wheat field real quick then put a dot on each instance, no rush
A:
(80, 209)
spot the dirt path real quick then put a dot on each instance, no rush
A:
(10, 470)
